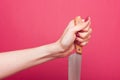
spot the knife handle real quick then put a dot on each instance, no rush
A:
(78, 48)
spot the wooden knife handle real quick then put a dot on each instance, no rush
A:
(78, 48)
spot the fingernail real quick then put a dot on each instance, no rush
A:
(88, 18)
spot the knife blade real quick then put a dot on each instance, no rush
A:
(75, 60)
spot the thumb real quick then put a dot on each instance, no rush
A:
(78, 20)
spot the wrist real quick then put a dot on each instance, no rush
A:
(59, 47)
(55, 50)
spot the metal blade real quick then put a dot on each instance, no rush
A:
(74, 66)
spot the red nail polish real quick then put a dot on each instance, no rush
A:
(87, 18)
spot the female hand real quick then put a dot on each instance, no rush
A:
(79, 33)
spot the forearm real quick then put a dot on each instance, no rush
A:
(15, 61)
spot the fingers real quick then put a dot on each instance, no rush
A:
(81, 25)
(86, 23)
(84, 43)
(87, 28)
(84, 35)
(81, 43)
(83, 40)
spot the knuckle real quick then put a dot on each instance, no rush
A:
(83, 35)
(80, 39)
(84, 43)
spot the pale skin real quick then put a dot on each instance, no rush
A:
(14, 61)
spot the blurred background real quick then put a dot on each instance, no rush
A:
(32, 23)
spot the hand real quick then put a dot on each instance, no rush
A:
(79, 33)
(27, 58)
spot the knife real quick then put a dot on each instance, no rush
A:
(74, 61)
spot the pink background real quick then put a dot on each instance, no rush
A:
(31, 23)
